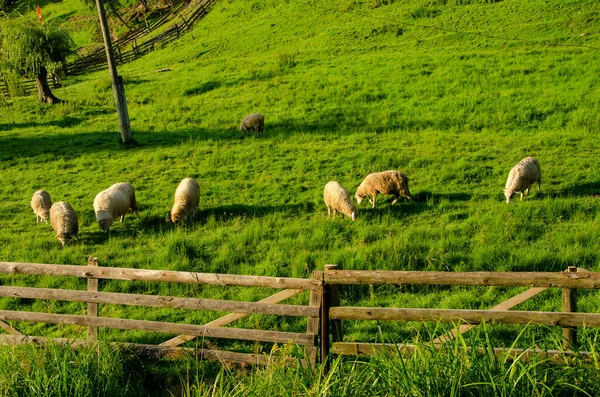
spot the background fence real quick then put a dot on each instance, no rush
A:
(324, 312)
(128, 48)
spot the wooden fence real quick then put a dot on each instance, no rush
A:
(215, 329)
(324, 313)
(570, 280)
(128, 49)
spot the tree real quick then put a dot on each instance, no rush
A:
(28, 48)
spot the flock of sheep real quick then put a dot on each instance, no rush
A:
(395, 183)
(112, 203)
(116, 201)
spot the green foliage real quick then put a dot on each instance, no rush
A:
(56, 370)
(27, 46)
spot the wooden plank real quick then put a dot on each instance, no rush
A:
(554, 356)
(156, 326)
(158, 301)
(156, 275)
(569, 304)
(586, 280)
(220, 322)
(9, 328)
(337, 332)
(153, 351)
(467, 316)
(92, 307)
(506, 305)
(313, 324)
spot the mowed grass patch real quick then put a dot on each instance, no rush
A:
(343, 94)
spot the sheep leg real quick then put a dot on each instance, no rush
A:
(334, 213)
(538, 185)
(37, 218)
(122, 218)
(374, 200)
(527, 190)
(328, 212)
(397, 197)
(521, 196)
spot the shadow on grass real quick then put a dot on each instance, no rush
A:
(160, 223)
(76, 144)
(585, 189)
(225, 213)
(65, 122)
(425, 196)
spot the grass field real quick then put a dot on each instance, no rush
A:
(452, 93)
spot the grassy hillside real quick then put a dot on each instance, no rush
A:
(452, 94)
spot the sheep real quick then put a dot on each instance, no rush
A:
(254, 121)
(387, 182)
(521, 177)
(41, 203)
(64, 222)
(337, 199)
(187, 197)
(114, 202)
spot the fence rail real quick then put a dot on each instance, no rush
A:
(97, 59)
(324, 332)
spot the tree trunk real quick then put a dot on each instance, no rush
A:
(44, 93)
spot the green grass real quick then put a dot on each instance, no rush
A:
(347, 88)
(455, 370)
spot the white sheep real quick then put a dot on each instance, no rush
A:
(337, 199)
(254, 121)
(41, 203)
(113, 203)
(187, 197)
(64, 221)
(521, 177)
(387, 182)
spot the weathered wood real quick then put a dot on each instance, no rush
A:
(117, 82)
(507, 304)
(367, 349)
(156, 275)
(337, 333)
(156, 326)
(278, 297)
(467, 316)
(158, 301)
(325, 326)
(569, 304)
(313, 324)
(153, 351)
(92, 307)
(586, 280)
(9, 328)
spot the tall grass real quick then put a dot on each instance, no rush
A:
(458, 369)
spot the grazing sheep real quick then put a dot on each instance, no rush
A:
(187, 197)
(521, 177)
(41, 203)
(254, 121)
(337, 199)
(387, 182)
(114, 202)
(64, 221)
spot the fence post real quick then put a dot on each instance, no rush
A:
(92, 308)
(569, 304)
(325, 304)
(337, 333)
(185, 24)
(313, 322)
